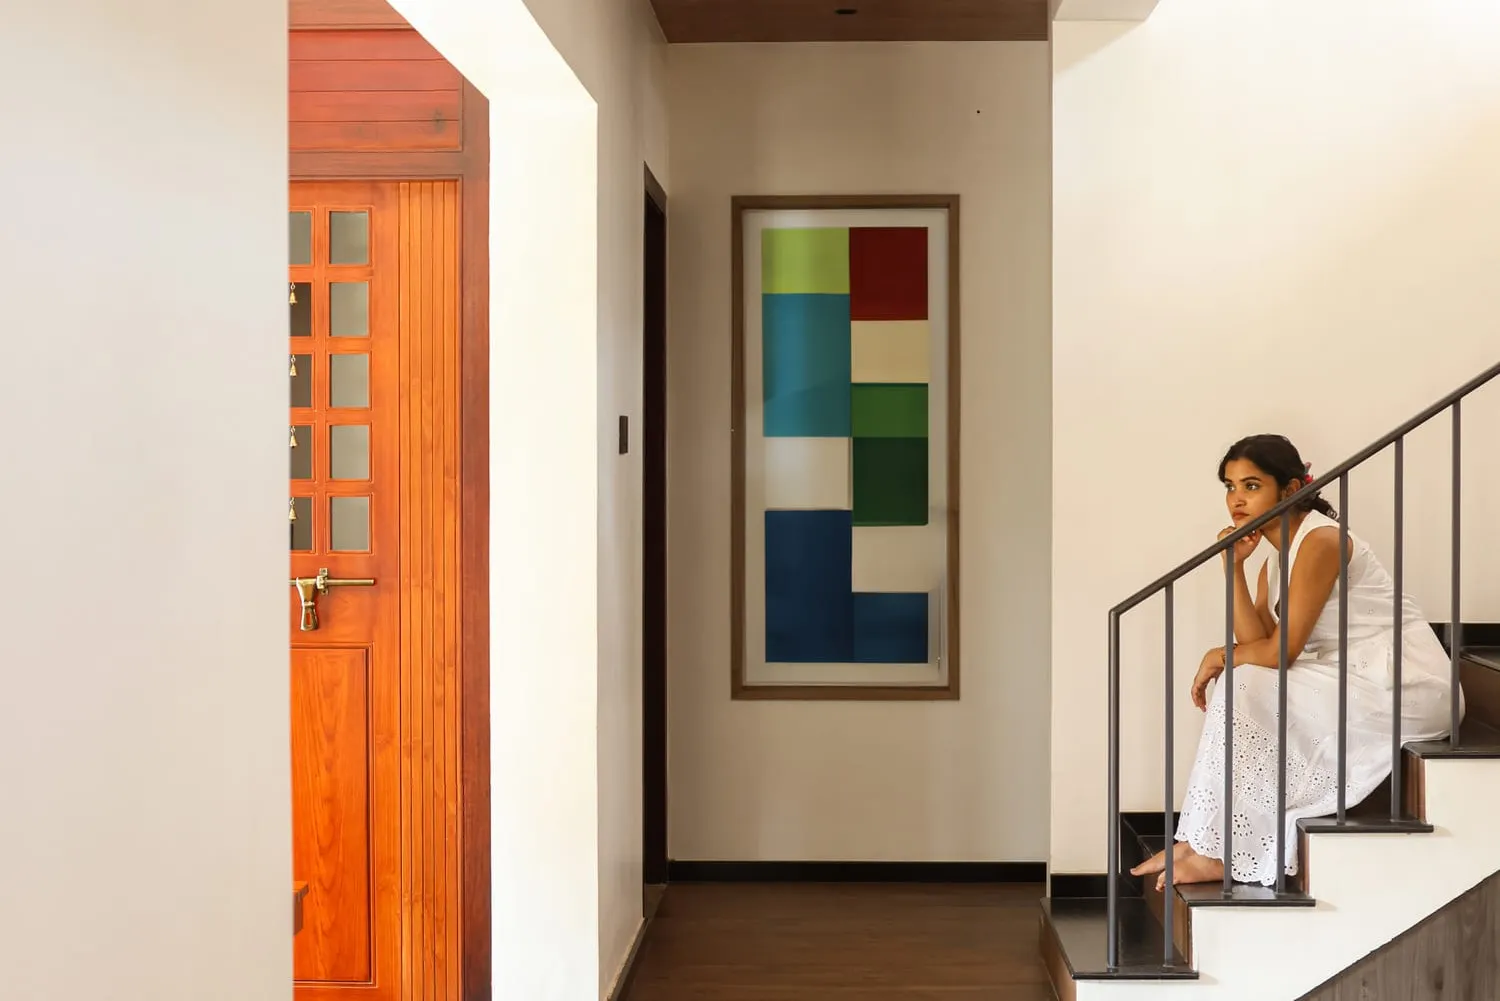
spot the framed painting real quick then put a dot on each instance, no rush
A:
(845, 405)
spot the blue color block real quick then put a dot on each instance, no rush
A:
(809, 587)
(805, 365)
(890, 628)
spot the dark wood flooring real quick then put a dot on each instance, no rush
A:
(843, 942)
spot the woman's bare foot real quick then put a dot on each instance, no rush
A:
(1158, 862)
(1193, 868)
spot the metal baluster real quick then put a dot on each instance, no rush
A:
(1456, 629)
(1169, 896)
(1112, 891)
(1227, 680)
(1281, 668)
(1343, 642)
(1400, 614)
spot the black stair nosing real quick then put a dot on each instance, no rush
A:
(1241, 895)
(1080, 926)
(1363, 825)
(1483, 656)
(1475, 740)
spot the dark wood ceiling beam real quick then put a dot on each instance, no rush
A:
(873, 20)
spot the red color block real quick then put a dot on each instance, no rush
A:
(888, 273)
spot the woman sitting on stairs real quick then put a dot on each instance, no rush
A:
(1258, 473)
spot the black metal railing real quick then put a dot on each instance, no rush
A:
(1164, 585)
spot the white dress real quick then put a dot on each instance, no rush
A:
(1312, 718)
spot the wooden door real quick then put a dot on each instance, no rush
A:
(373, 440)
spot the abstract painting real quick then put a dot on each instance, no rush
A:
(846, 462)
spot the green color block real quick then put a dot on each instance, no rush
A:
(890, 481)
(889, 409)
(805, 260)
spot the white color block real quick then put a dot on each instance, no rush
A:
(898, 558)
(890, 351)
(807, 474)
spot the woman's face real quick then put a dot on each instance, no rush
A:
(1249, 491)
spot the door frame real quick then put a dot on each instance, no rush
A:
(654, 855)
(470, 166)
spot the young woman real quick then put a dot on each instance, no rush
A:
(1258, 473)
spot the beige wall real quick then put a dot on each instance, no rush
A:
(1268, 217)
(577, 107)
(891, 781)
(145, 804)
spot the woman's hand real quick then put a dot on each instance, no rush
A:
(1244, 547)
(1211, 668)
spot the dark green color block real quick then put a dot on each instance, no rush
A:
(890, 481)
(889, 409)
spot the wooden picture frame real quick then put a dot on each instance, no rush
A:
(842, 275)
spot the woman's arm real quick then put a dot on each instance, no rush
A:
(1262, 607)
(1313, 578)
(1248, 625)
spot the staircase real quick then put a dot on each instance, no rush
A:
(1406, 851)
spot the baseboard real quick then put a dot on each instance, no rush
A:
(855, 872)
(626, 978)
(1079, 884)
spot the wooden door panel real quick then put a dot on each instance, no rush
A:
(347, 803)
(375, 688)
(331, 798)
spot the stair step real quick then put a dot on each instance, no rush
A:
(1363, 825)
(1476, 739)
(1479, 673)
(1075, 940)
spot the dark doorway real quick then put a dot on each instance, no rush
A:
(654, 554)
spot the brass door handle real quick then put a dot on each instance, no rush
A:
(308, 589)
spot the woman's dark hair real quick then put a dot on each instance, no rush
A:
(1278, 457)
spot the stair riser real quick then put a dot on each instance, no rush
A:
(1182, 923)
(1481, 686)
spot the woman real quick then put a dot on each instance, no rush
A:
(1258, 473)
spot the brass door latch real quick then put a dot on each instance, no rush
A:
(308, 589)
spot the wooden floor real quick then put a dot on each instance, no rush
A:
(843, 942)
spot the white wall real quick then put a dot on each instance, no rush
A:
(145, 831)
(1268, 217)
(838, 780)
(576, 108)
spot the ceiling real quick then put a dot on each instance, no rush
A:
(863, 20)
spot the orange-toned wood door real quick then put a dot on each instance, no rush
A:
(373, 440)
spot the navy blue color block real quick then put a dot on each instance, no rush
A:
(809, 587)
(890, 627)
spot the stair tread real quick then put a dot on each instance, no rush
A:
(1081, 926)
(1485, 656)
(1363, 825)
(1241, 895)
(1476, 739)
(1212, 894)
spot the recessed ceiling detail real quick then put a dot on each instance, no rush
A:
(857, 21)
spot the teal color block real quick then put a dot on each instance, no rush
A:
(805, 366)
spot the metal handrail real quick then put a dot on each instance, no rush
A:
(1359, 457)
(1282, 510)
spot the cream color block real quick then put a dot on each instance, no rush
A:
(890, 351)
(807, 474)
(897, 558)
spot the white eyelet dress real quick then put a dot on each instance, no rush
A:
(1312, 718)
